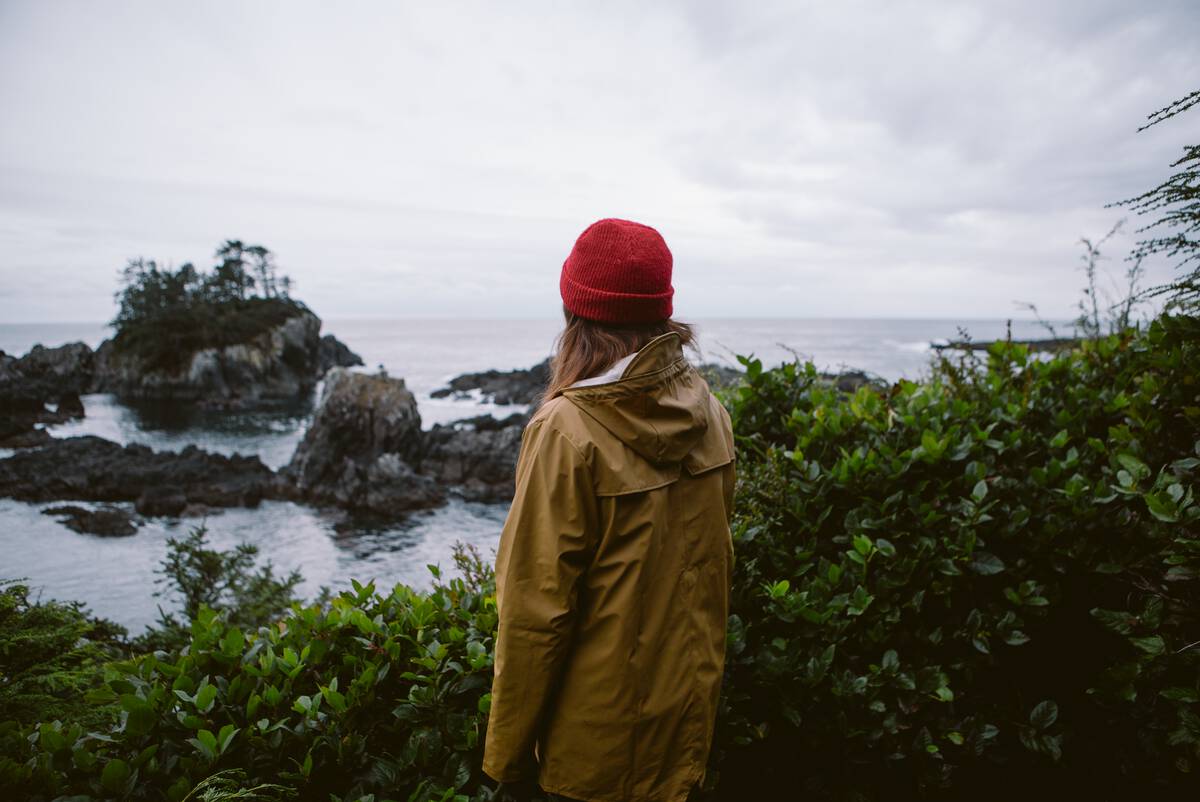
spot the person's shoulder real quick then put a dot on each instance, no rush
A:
(560, 416)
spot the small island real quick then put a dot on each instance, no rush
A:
(230, 336)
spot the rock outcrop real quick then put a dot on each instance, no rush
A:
(359, 451)
(333, 353)
(28, 383)
(106, 520)
(477, 456)
(366, 451)
(94, 469)
(279, 364)
(282, 364)
(521, 386)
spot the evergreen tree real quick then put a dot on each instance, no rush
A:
(1175, 203)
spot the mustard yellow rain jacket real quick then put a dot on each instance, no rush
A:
(612, 586)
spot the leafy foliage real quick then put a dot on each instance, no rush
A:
(986, 582)
(50, 654)
(374, 694)
(222, 581)
(166, 315)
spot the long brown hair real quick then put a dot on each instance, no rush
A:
(586, 347)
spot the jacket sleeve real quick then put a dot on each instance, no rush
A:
(547, 542)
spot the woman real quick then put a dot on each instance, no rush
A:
(613, 571)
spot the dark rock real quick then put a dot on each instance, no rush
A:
(479, 460)
(24, 438)
(358, 452)
(359, 417)
(522, 386)
(393, 487)
(366, 452)
(91, 468)
(486, 423)
(51, 372)
(107, 521)
(283, 363)
(27, 383)
(334, 353)
(166, 501)
(70, 405)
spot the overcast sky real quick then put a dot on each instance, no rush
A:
(882, 159)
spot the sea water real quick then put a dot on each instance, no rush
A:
(116, 576)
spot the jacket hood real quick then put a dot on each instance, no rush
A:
(660, 407)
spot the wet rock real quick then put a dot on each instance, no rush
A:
(522, 386)
(359, 451)
(46, 373)
(23, 437)
(334, 353)
(107, 521)
(70, 405)
(279, 364)
(392, 487)
(477, 457)
(94, 469)
(165, 501)
(28, 382)
(366, 451)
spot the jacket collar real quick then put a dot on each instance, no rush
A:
(660, 358)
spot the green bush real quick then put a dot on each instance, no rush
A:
(371, 694)
(983, 583)
(50, 654)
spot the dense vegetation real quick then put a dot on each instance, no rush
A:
(166, 315)
(985, 582)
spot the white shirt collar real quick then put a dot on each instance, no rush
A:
(611, 375)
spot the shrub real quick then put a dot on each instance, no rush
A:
(50, 654)
(227, 582)
(987, 581)
(374, 694)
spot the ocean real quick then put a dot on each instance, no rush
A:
(116, 577)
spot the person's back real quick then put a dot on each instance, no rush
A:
(613, 573)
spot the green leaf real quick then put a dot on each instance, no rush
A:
(1138, 469)
(1162, 507)
(986, 563)
(1043, 715)
(205, 697)
(1152, 645)
(115, 773)
(980, 492)
(51, 739)
(140, 717)
(231, 644)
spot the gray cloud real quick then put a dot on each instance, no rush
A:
(888, 159)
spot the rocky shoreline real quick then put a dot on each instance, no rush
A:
(282, 364)
(365, 451)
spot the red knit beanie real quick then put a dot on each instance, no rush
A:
(618, 272)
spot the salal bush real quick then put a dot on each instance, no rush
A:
(371, 696)
(983, 582)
